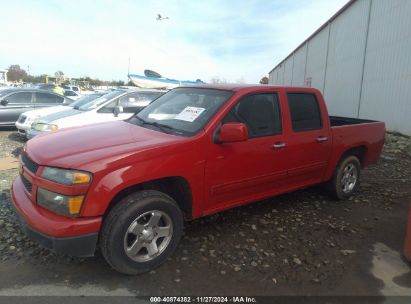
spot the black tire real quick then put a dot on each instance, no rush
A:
(336, 183)
(117, 223)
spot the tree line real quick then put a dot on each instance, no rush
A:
(16, 73)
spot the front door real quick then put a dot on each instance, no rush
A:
(246, 171)
(17, 103)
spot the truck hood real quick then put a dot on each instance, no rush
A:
(86, 147)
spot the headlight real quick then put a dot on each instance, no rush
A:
(67, 177)
(44, 127)
(59, 203)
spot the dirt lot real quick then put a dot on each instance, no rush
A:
(303, 243)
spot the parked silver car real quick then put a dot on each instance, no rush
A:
(15, 101)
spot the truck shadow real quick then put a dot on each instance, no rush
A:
(289, 245)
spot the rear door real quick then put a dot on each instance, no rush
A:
(245, 171)
(18, 103)
(308, 142)
(45, 99)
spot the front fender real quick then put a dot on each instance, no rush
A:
(109, 183)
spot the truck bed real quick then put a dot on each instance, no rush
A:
(336, 121)
(354, 132)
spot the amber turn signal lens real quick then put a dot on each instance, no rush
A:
(81, 178)
(74, 204)
(53, 128)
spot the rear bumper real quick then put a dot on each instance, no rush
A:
(407, 245)
(70, 236)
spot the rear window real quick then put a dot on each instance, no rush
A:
(45, 98)
(70, 93)
(305, 112)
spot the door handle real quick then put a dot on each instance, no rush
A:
(279, 145)
(322, 139)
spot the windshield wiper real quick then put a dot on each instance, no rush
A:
(164, 128)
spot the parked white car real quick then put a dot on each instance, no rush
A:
(72, 94)
(71, 88)
(23, 123)
(116, 105)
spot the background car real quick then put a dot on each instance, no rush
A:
(13, 102)
(51, 87)
(72, 88)
(71, 94)
(26, 119)
(116, 105)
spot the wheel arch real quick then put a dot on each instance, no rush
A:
(177, 187)
(358, 151)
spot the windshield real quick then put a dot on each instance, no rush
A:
(182, 111)
(101, 100)
(83, 100)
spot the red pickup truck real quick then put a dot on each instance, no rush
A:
(127, 187)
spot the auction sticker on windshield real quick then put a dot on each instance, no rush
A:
(189, 114)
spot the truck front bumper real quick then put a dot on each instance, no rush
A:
(71, 236)
(407, 245)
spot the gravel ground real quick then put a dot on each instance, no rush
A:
(302, 239)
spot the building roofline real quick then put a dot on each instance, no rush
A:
(339, 12)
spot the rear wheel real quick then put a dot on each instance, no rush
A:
(141, 231)
(346, 178)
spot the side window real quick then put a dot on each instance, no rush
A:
(45, 98)
(108, 108)
(260, 113)
(305, 112)
(22, 97)
(69, 93)
(135, 101)
(59, 99)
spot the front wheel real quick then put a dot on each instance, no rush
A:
(141, 231)
(346, 178)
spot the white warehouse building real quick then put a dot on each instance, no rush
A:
(360, 60)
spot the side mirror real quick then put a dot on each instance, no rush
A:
(117, 110)
(4, 102)
(233, 132)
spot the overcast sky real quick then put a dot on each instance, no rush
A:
(231, 39)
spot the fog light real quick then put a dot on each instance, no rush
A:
(59, 203)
